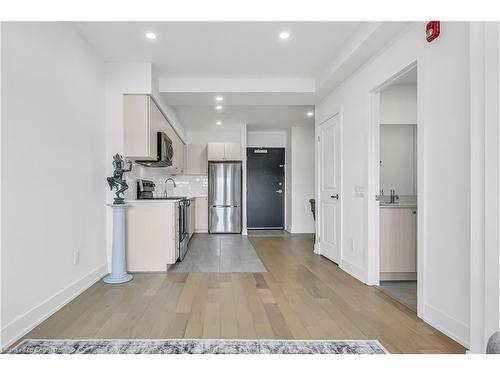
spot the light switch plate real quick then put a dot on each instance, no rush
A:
(359, 191)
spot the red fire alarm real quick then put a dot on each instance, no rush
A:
(432, 30)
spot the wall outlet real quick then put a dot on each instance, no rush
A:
(352, 244)
(76, 257)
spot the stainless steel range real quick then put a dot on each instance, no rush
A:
(146, 189)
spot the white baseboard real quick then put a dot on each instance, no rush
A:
(353, 270)
(29, 320)
(451, 327)
(317, 249)
(200, 231)
(296, 230)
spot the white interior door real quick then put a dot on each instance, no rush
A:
(329, 153)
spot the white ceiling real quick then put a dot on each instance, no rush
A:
(222, 49)
(238, 98)
(274, 117)
(250, 53)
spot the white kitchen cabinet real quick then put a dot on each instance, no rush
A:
(192, 216)
(143, 119)
(215, 151)
(232, 151)
(196, 162)
(152, 235)
(398, 243)
(201, 224)
(224, 151)
(139, 135)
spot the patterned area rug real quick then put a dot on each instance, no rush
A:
(186, 346)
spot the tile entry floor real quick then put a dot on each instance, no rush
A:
(219, 253)
(402, 291)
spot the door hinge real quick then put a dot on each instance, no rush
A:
(318, 138)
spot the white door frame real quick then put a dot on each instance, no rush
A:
(317, 247)
(373, 261)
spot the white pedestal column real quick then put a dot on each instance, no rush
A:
(118, 273)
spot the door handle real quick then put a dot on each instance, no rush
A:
(336, 196)
(280, 191)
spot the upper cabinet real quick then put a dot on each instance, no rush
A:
(196, 159)
(142, 120)
(139, 134)
(224, 151)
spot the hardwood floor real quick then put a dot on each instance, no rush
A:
(303, 296)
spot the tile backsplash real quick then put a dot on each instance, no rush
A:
(187, 185)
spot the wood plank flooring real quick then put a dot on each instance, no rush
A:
(303, 296)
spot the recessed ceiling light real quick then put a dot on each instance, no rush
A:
(151, 35)
(284, 35)
(219, 98)
(310, 114)
(219, 107)
(218, 123)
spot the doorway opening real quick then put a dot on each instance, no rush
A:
(397, 133)
(265, 188)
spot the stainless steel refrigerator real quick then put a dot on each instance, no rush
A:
(224, 197)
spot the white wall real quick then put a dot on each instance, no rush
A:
(443, 120)
(53, 174)
(302, 177)
(398, 152)
(222, 135)
(266, 138)
(398, 104)
(485, 171)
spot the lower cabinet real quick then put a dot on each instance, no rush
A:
(152, 235)
(398, 243)
(201, 221)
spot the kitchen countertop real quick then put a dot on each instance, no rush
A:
(404, 201)
(153, 201)
(158, 200)
(398, 205)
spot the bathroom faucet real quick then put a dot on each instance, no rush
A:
(394, 197)
(166, 181)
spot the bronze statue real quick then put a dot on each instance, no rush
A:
(117, 181)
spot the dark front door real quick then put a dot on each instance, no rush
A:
(265, 188)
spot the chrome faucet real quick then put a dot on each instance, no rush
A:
(166, 181)
(394, 197)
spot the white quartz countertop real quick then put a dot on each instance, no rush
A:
(398, 205)
(404, 201)
(158, 200)
(153, 201)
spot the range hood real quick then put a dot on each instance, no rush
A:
(164, 151)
